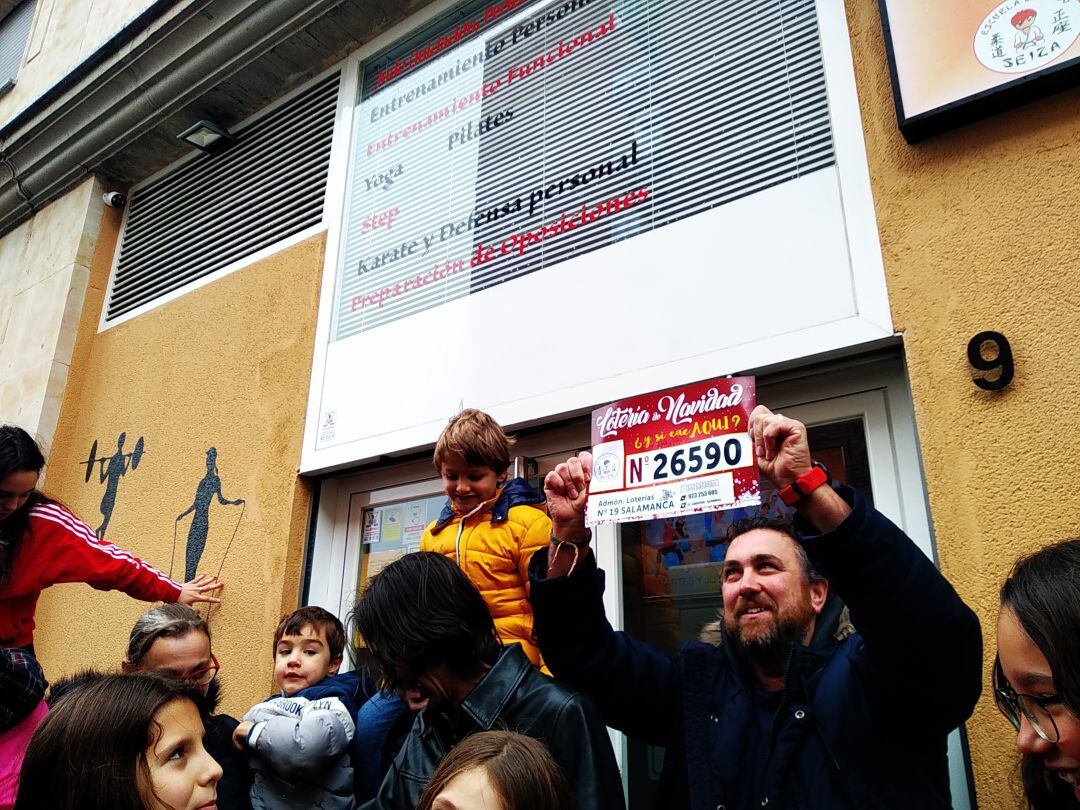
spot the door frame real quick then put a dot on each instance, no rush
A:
(873, 388)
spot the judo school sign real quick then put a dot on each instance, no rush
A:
(1020, 36)
(955, 62)
(673, 452)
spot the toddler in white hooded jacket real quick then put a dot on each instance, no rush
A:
(298, 741)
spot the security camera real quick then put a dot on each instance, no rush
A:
(114, 199)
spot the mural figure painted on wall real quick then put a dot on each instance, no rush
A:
(208, 488)
(111, 470)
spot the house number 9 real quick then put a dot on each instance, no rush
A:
(1000, 360)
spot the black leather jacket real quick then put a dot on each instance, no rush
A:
(513, 696)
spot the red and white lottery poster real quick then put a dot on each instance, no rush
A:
(673, 452)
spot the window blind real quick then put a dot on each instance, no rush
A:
(560, 128)
(215, 209)
(14, 29)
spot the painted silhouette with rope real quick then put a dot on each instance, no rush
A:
(209, 487)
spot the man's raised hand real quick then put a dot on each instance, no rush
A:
(783, 454)
(566, 488)
(780, 446)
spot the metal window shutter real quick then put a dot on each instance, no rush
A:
(14, 29)
(215, 209)
(727, 98)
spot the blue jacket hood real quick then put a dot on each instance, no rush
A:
(515, 492)
(345, 686)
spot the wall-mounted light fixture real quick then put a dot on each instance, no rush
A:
(206, 135)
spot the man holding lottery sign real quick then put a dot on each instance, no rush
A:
(792, 709)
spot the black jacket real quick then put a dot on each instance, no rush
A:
(511, 696)
(861, 723)
(234, 787)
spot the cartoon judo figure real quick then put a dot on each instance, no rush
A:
(208, 488)
(1027, 33)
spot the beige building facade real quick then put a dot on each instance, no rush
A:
(967, 232)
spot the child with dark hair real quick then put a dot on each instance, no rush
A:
(428, 629)
(120, 742)
(490, 526)
(43, 544)
(298, 741)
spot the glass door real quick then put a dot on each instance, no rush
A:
(367, 520)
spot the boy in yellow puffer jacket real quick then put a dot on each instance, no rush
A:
(489, 526)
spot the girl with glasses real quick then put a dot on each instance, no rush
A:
(174, 640)
(1037, 672)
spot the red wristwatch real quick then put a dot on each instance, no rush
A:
(804, 485)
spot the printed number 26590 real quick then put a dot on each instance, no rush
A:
(696, 459)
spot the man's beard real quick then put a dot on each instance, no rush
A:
(769, 647)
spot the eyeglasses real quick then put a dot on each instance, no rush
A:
(202, 677)
(1013, 704)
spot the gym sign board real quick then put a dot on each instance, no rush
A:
(549, 205)
(958, 61)
(537, 141)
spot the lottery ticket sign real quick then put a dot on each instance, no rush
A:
(673, 453)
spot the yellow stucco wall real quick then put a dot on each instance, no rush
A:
(225, 366)
(978, 230)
